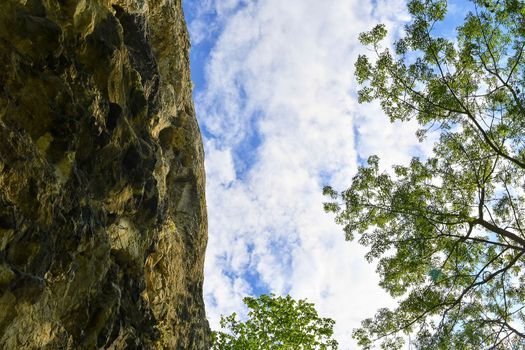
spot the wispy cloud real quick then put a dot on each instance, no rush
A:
(281, 120)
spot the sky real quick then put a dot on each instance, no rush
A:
(276, 101)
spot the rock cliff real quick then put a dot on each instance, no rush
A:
(102, 210)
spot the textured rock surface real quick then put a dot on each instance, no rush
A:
(102, 209)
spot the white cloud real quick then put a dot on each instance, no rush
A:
(281, 110)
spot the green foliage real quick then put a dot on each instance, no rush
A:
(275, 323)
(448, 232)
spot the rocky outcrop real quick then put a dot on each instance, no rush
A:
(102, 209)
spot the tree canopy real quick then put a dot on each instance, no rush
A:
(448, 230)
(275, 322)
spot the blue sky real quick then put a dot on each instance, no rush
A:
(276, 101)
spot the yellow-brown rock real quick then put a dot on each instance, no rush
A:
(102, 209)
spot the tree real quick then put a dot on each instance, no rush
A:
(447, 231)
(275, 323)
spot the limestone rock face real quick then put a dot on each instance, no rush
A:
(102, 210)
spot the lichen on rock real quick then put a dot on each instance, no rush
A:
(103, 222)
